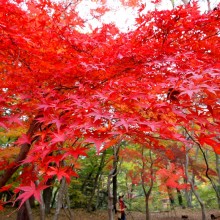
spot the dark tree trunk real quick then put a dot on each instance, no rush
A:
(218, 172)
(25, 213)
(180, 198)
(60, 198)
(201, 203)
(209, 5)
(215, 188)
(185, 2)
(110, 197)
(47, 195)
(98, 192)
(171, 197)
(22, 154)
(31, 201)
(95, 185)
(147, 211)
(192, 181)
(114, 188)
(187, 193)
(87, 179)
(114, 178)
(217, 163)
(111, 175)
(147, 193)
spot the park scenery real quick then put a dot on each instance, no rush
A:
(108, 98)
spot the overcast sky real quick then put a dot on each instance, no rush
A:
(124, 17)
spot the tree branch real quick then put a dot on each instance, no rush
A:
(34, 126)
(206, 162)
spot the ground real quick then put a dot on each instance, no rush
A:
(81, 214)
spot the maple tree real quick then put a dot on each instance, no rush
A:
(72, 90)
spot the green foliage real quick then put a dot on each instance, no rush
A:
(208, 196)
(77, 199)
(82, 189)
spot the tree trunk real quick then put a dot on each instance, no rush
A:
(32, 201)
(173, 3)
(209, 5)
(188, 194)
(68, 203)
(98, 192)
(171, 197)
(129, 192)
(42, 207)
(54, 195)
(218, 166)
(180, 198)
(218, 173)
(111, 175)
(215, 188)
(29, 211)
(87, 179)
(193, 187)
(147, 211)
(147, 192)
(34, 126)
(95, 185)
(24, 212)
(60, 198)
(185, 2)
(114, 186)
(200, 202)
(47, 196)
(110, 196)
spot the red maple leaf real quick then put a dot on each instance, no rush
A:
(24, 139)
(29, 191)
(98, 114)
(5, 188)
(61, 172)
(58, 137)
(123, 122)
(44, 106)
(76, 152)
(1, 205)
(58, 123)
(97, 141)
(55, 159)
(14, 119)
(209, 139)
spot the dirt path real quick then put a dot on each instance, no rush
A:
(81, 214)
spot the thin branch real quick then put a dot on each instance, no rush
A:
(212, 35)
(206, 162)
